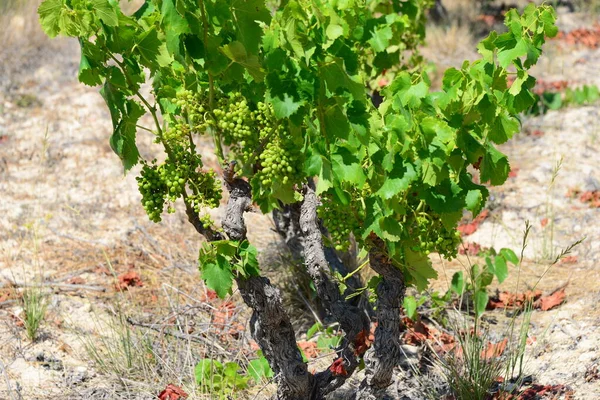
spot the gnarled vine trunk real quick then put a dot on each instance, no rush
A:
(270, 325)
(383, 357)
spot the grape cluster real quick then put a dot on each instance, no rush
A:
(153, 191)
(236, 122)
(206, 190)
(340, 221)
(165, 183)
(433, 236)
(177, 132)
(194, 113)
(281, 162)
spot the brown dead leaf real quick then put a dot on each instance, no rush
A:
(537, 133)
(129, 279)
(494, 350)
(76, 280)
(172, 392)
(337, 367)
(469, 248)
(309, 349)
(362, 343)
(554, 299)
(467, 229)
(513, 300)
(569, 260)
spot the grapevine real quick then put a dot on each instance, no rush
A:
(283, 93)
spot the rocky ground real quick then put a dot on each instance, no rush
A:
(69, 218)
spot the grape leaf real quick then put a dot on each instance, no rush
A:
(50, 13)
(398, 180)
(286, 106)
(105, 12)
(174, 26)
(346, 167)
(246, 14)
(218, 276)
(494, 166)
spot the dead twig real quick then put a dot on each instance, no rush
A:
(56, 285)
(182, 336)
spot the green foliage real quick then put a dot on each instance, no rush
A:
(220, 261)
(35, 303)
(556, 100)
(284, 94)
(216, 378)
(496, 265)
(221, 379)
(259, 368)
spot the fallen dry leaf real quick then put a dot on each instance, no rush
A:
(569, 260)
(337, 368)
(537, 391)
(172, 392)
(309, 349)
(469, 248)
(588, 37)
(537, 133)
(513, 300)
(129, 279)
(554, 299)
(76, 280)
(467, 229)
(362, 342)
(494, 350)
(520, 300)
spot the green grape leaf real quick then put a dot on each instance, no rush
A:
(347, 168)
(148, 44)
(206, 370)
(398, 180)
(337, 78)
(335, 122)
(174, 26)
(390, 229)
(410, 307)
(218, 275)
(509, 256)
(334, 31)
(325, 181)
(50, 12)
(380, 39)
(504, 127)
(494, 166)
(248, 259)
(88, 75)
(125, 115)
(284, 107)
(236, 52)
(248, 14)
(419, 269)
(105, 12)
(480, 299)
(457, 285)
(510, 49)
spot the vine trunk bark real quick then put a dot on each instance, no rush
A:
(270, 325)
(384, 355)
